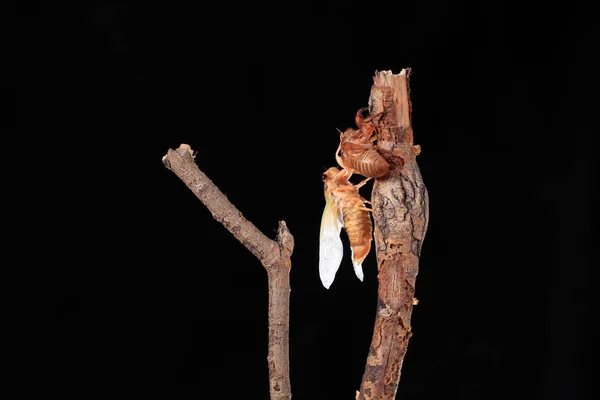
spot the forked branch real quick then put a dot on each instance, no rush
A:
(274, 256)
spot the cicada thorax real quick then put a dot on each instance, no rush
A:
(357, 223)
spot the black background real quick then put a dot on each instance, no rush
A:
(148, 290)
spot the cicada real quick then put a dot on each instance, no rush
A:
(358, 153)
(344, 207)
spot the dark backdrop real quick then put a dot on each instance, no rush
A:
(148, 290)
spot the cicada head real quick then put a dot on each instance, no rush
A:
(330, 174)
(334, 177)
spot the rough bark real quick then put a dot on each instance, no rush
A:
(401, 213)
(274, 255)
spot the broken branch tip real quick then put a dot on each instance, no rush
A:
(166, 162)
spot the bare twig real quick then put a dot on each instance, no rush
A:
(401, 213)
(274, 256)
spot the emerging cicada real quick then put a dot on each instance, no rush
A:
(344, 207)
(358, 153)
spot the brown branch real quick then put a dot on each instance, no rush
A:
(401, 213)
(274, 256)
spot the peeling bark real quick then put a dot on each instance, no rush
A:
(275, 256)
(401, 213)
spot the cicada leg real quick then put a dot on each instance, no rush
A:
(359, 119)
(362, 207)
(362, 183)
(338, 158)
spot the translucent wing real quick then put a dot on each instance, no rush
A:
(330, 244)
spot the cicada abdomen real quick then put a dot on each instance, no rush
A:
(358, 153)
(365, 161)
(344, 207)
(357, 223)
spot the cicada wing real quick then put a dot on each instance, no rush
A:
(331, 249)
